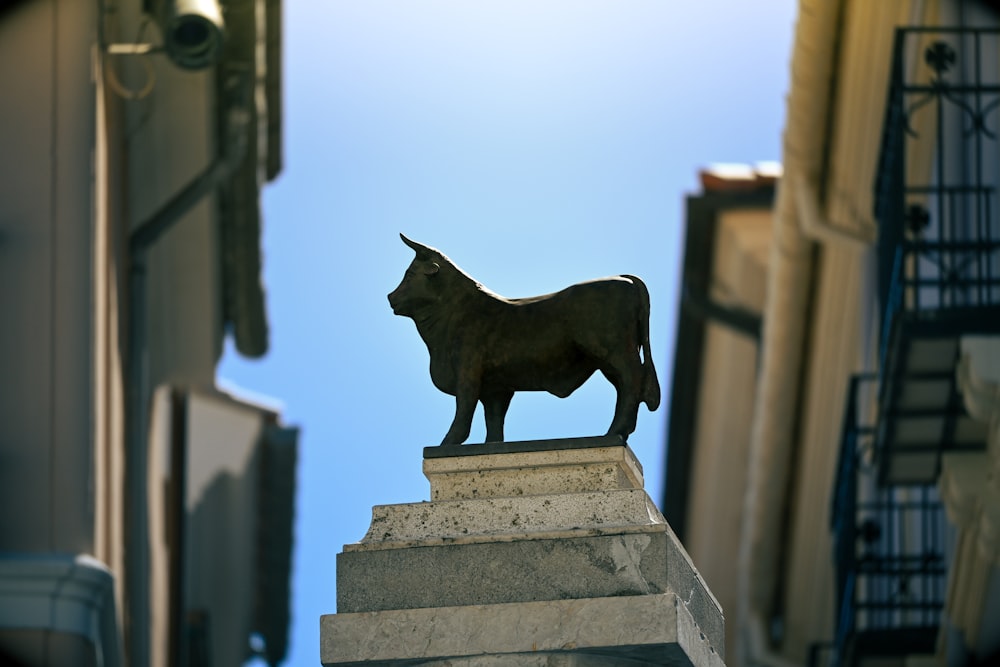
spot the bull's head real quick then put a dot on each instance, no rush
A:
(417, 288)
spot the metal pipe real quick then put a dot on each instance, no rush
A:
(138, 391)
(214, 175)
(815, 226)
(788, 292)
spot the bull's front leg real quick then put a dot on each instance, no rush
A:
(466, 397)
(495, 406)
(465, 408)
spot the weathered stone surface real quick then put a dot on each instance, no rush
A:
(532, 473)
(636, 563)
(550, 553)
(409, 524)
(649, 629)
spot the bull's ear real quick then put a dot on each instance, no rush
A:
(432, 268)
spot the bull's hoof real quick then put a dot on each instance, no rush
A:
(623, 432)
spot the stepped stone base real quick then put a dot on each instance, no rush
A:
(642, 629)
(538, 553)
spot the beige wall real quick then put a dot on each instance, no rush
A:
(221, 534)
(221, 437)
(844, 319)
(161, 478)
(85, 162)
(107, 345)
(858, 105)
(833, 352)
(82, 165)
(725, 411)
(46, 224)
(841, 329)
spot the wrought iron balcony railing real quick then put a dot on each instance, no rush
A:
(938, 178)
(889, 552)
(939, 239)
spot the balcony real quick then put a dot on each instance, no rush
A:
(890, 545)
(939, 241)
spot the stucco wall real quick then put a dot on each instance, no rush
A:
(46, 218)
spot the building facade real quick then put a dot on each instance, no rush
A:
(137, 136)
(857, 434)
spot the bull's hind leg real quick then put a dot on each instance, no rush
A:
(627, 380)
(495, 410)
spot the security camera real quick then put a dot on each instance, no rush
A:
(193, 32)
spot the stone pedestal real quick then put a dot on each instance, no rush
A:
(534, 553)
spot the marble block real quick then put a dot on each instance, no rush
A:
(601, 468)
(648, 629)
(417, 524)
(578, 566)
(536, 553)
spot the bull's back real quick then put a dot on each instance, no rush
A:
(556, 341)
(597, 308)
(594, 296)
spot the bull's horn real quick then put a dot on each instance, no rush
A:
(418, 248)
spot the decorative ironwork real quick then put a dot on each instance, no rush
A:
(940, 57)
(939, 172)
(937, 205)
(889, 550)
(917, 219)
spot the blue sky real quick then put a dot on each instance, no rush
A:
(538, 143)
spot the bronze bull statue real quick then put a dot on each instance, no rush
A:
(484, 347)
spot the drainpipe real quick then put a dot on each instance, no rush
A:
(772, 432)
(816, 227)
(798, 225)
(141, 241)
(772, 439)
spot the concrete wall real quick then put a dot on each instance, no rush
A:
(110, 293)
(725, 411)
(92, 146)
(844, 317)
(221, 439)
(46, 222)
(834, 351)
(221, 533)
(39, 647)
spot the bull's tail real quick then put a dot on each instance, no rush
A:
(650, 384)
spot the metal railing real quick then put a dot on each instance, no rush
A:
(937, 184)
(889, 548)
